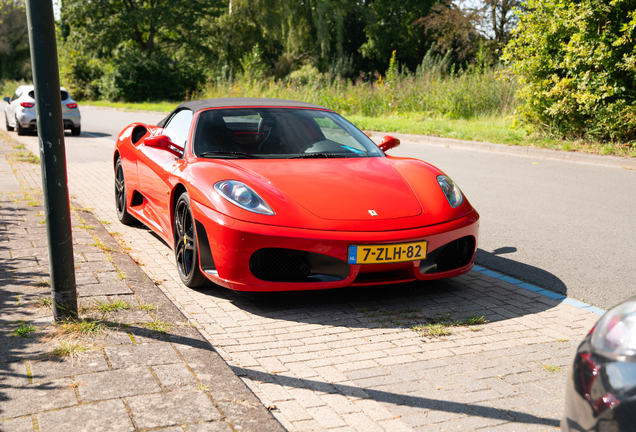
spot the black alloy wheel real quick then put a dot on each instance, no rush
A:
(185, 245)
(6, 122)
(120, 196)
(76, 131)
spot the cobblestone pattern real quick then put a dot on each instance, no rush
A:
(138, 363)
(349, 360)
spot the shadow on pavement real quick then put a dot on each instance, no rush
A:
(399, 399)
(89, 134)
(9, 377)
(531, 274)
(393, 306)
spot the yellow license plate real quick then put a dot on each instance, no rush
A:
(379, 254)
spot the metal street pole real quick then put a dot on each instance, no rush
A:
(46, 79)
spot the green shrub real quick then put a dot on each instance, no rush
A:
(7, 87)
(80, 73)
(140, 76)
(577, 65)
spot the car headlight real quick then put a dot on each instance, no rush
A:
(451, 191)
(615, 334)
(241, 195)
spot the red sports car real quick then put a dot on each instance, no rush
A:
(278, 195)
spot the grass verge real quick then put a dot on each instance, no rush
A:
(70, 349)
(112, 306)
(161, 107)
(496, 130)
(24, 330)
(443, 326)
(551, 368)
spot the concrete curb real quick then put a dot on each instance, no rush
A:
(623, 162)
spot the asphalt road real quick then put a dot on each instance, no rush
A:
(565, 226)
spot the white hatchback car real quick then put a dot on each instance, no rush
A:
(20, 111)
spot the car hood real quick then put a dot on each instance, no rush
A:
(354, 194)
(344, 189)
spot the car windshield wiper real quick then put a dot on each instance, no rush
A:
(320, 155)
(231, 154)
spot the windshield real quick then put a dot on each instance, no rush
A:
(279, 133)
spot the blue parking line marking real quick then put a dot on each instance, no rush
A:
(538, 290)
(530, 287)
(576, 303)
(552, 295)
(510, 280)
(594, 309)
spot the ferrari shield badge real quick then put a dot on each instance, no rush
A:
(372, 213)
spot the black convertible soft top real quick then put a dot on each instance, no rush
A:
(238, 102)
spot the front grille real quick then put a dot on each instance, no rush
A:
(291, 265)
(455, 254)
(280, 265)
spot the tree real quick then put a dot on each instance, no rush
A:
(292, 33)
(499, 19)
(576, 62)
(392, 27)
(455, 29)
(14, 41)
(170, 24)
(148, 49)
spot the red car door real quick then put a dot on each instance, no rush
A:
(155, 165)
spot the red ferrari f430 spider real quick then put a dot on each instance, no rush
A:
(279, 195)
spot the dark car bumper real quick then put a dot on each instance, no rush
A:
(600, 394)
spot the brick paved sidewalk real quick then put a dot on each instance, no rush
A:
(347, 360)
(131, 363)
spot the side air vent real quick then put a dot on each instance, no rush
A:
(137, 199)
(138, 133)
(451, 256)
(205, 253)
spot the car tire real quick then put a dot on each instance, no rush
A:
(185, 245)
(75, 131)
(19, 128)
(120, 196)
(6, 122)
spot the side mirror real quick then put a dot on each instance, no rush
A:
(388, 142)
(7, 100)
(164, 142)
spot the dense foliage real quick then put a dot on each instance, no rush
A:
(14, 41)
(436, 89)
(577, 63)
(135, 50)
(160, 49)
(367, 57)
